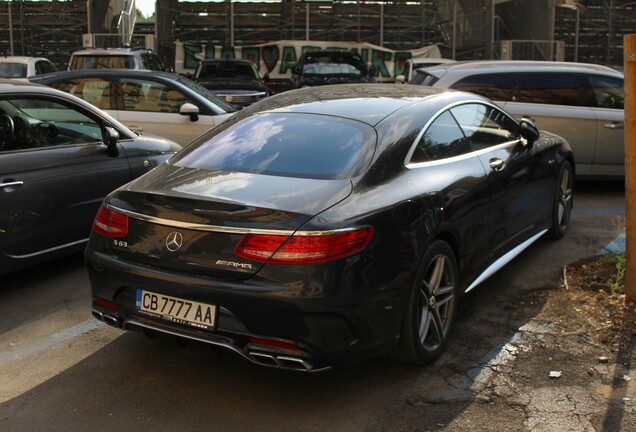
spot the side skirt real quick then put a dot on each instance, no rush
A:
(504, 259)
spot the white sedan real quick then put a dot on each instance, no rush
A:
(159, 103)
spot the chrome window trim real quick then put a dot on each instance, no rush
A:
(224, 229)
(468, 155)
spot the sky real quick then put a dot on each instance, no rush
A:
(147, 7)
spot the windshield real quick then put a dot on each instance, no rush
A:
(226, 70)
(102, 62)
(13, 70)
(287, 144)
(328, 65)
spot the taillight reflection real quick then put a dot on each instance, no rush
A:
(302, 249)
(110, 223)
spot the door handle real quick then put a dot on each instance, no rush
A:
(614, 125)
(496, 164)
(9, 185)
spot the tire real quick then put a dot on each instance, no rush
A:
(431, 309)
(563, 202)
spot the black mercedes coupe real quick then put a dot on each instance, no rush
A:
(326, 225)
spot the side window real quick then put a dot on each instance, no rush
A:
(484, 126)
(608, 92)
(39, 67)
(134, 95)
(95, 91)
(498, 87)
(548, 88)
(47, 67)
(160, 98)
(152, 62)
(442, 139)
(39, 122)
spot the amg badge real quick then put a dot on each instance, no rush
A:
(234, 264)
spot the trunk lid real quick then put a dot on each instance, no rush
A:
(190, 220)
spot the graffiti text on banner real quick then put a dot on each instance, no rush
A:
(279, 58)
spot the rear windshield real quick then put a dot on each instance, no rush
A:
(13, 70)
(287, 144)
(102, 62)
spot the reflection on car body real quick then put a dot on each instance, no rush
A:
(329, 224)
(59, 157)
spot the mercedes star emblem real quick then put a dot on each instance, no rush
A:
(174, 241)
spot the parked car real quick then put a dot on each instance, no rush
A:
(116, 58)
(236, 81)
(581, 102)
(329, 224)
(324, 67)
(412, 65)
(20, 68)
(163, 103)
(59, 158)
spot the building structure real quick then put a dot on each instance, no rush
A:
(573, 30)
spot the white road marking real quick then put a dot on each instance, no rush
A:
(41, 344)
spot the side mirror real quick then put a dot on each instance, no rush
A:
(372, 71)
(110, 137)
(528, 130)
(189, 109)
(400, 79)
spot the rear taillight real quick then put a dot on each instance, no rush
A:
(110, 223)
(302, 249)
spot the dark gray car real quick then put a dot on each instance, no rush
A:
(59, 158)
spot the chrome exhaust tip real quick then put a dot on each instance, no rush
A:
(279, 361)
(98, 315)
(112, 321)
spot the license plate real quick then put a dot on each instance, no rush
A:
(173, 309)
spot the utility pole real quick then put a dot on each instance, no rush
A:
(630, 168)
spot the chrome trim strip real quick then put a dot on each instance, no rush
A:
(133, 322)
(455, 158)
(31, 255)
(504, 259)
(223, 229)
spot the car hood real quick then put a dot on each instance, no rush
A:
(232, 84)
(316, 80)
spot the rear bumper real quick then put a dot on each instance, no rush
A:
(325, 331)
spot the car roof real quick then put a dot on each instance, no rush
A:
(226, 60)
(109, 51)
(492, 66)
(344, 100)
(106, 72)
(331, 52)
(20, 59)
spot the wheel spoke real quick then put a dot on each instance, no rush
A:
(436, 301)
(436, 275)
(565, 198)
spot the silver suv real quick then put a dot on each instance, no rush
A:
(116, 58)
(581, 102)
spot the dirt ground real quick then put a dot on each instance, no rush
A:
(571, 368)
